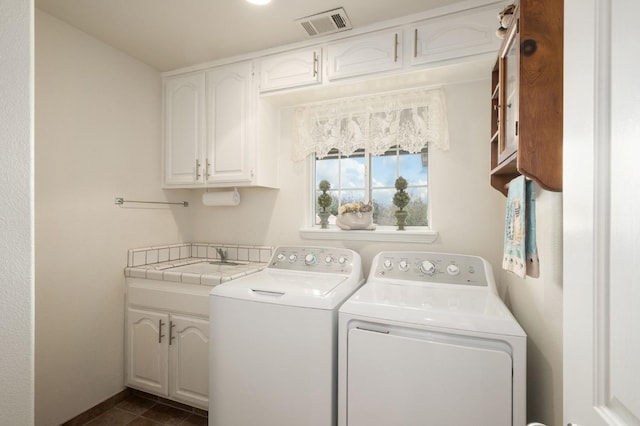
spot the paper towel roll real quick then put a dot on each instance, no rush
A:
(223, 198)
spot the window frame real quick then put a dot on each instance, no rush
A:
(387, 233)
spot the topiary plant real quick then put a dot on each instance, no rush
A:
(401, 198)
(324, 200)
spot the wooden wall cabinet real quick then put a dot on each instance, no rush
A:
(526, 99)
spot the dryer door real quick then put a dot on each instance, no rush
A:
(415, 378)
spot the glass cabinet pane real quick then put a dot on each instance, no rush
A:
(508, 137)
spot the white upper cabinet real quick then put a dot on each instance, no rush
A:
(291, 69)
(218, 133)
(229, 124)
(365, 54)
(184, 129)
(453, 36)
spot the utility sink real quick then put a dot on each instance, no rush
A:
(208, 267)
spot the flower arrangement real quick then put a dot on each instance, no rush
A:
(355, 208)
(355, 216)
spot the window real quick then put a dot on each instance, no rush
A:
(362, 177)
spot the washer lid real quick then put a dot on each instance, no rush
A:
(305, 289)
(466, 308)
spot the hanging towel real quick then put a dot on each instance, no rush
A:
(520, 249)
(531, 247)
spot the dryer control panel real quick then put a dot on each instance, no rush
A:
(431, 267)
(316, 259)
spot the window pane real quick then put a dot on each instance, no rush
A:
(384, 170)
(417, 207)
(352, 197)
(352, 172)
(327, 169)
(383, 207)
(412, 169)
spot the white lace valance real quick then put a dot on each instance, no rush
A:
(408, 119)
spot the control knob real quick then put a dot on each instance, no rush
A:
(310, 259)
(281, 257)
(403, 265)
(387, 264)
(453, 269)
(292, 258)
(328, 260)
(427, 267)
(342, 260)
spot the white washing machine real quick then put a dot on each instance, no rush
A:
(274, 339)
(428, 341)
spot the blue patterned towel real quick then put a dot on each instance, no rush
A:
(520, 249)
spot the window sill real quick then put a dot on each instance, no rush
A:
(382, 233)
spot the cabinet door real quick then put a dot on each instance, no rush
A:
(189, 360)
(291, 69)
(366, 54)
(183, 128)
(229, 134)
(146, 350)
(455, 36)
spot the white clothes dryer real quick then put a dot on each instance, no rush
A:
(428, 341)
(273, 339)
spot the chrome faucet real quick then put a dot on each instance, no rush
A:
(222, 253)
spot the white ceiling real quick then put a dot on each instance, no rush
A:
(171, 34)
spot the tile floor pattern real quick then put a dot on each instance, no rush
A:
(135, 410)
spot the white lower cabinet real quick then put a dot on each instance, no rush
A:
(167, 355)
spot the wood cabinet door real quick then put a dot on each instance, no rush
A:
(189, 360)
(146, 357)
(291, 69)
(183, 128)
(366, 54)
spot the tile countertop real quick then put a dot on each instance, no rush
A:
(156, 262)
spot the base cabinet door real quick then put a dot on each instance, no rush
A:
(189, 361)
(147, 355)
(168, 355)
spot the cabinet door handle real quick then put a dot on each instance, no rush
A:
(395, 48)
(208, 174)
(315, 64)
(198, 169)
(415, 43)
(171, 336)
(160, 335)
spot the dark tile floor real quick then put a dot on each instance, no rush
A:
(136, 410)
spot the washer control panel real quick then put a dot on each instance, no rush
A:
(314, 259)
(430, 267)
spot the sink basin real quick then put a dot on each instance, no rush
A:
(207, 267)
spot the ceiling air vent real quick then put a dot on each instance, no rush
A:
(331, 21)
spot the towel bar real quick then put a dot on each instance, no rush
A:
(120, 201)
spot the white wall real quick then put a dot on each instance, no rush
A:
(537, 304)
(16, 213)
(98, 136)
